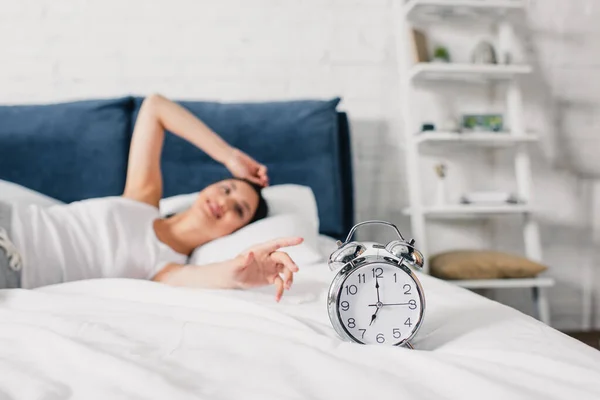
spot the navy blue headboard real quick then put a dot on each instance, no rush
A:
(78, 150)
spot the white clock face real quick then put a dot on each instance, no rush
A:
(379, 304)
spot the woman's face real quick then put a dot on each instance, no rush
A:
(226, 206)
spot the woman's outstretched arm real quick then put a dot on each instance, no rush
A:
(157, 114)
(258, 266)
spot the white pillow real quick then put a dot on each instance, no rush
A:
(293, 199)
(292, 212)
(261, 231)
(281, 199)
(327, 245)
(20, 195)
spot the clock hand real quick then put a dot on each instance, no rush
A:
(374, 316)
(390, 304)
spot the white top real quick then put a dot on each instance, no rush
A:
(111, 237)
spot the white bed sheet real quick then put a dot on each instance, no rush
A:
(111, 339)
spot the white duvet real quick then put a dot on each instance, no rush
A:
(126, 339)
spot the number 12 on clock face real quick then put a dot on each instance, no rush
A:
(380, 303)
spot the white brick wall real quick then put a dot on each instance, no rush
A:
(54, 50)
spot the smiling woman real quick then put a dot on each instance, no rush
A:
(220, 209)
(126, 237)
(239, 195)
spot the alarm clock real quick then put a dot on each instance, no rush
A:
(376, 298)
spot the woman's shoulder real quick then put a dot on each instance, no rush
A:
(131, 202)
(114, 202)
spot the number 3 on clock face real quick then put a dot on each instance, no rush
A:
(379, 303)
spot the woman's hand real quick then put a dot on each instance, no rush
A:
(241, 165)
(263, 265)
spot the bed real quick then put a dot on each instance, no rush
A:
(137, 339)
(128, 339)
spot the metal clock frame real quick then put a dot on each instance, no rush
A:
(333, 296)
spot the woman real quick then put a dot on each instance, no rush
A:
(125, 237)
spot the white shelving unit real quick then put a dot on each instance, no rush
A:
(499, 283)
(458, 211)
(474, 139)
(500, 12)
(466, 72)
(436, 142)
(441, 10)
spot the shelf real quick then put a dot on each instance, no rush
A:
(476, 139)
(466, 72)
(459, 10)
(504, 283)
(471, 210)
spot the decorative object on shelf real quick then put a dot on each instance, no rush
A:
(427, 127)
(421, 53)
(484, 53)
(367, 271)
(482, 264)
(482, 122)
(440, 171)
(489, 198)
(441, 54)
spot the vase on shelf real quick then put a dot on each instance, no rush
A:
(440, 195)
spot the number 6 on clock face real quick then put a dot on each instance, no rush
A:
(377, 303)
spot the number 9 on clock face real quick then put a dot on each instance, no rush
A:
(379, 303)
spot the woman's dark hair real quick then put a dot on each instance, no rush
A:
(262, 209)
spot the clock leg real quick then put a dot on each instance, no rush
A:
(408, 345)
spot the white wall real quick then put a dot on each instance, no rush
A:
(281, 49)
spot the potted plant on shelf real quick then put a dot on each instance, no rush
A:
(441, 54)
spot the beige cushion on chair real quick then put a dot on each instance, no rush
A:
(478, 264)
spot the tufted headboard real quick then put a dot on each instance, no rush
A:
(72, 151)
